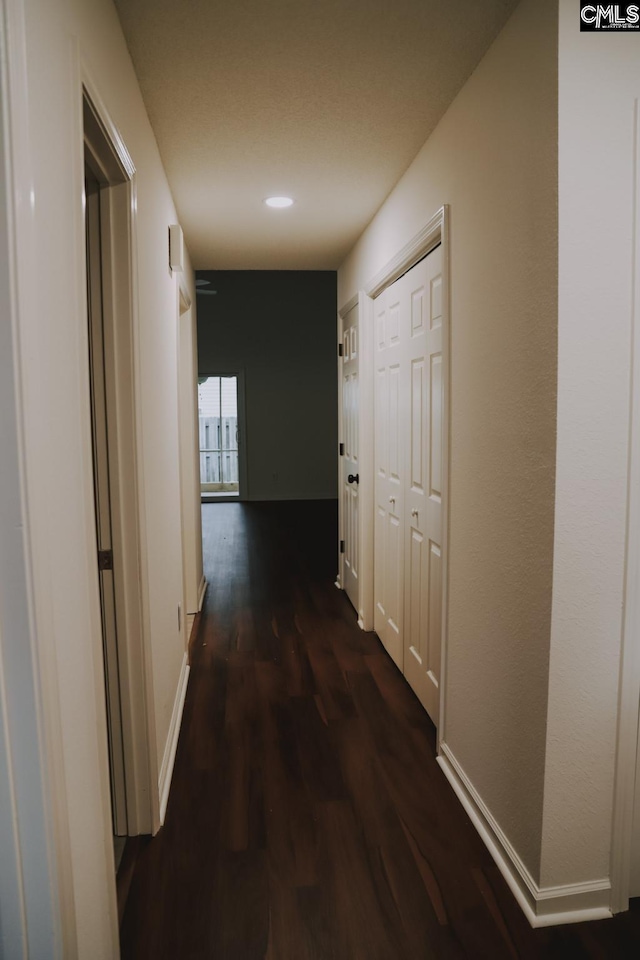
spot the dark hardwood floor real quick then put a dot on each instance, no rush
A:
(308, 819)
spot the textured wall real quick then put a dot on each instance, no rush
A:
(62, 35)
(493, 158)
(599, 83)
(279, 327)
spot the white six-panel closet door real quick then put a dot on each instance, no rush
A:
(389, 413)
(423, 455)
(408, 482)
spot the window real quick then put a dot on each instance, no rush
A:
(218, 416)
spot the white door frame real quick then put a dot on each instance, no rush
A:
(435, 232)
(365, 458)
(102, 402)
(109, 153)
(625, 786)
(191, 516)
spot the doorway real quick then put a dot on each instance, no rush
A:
(190, 510)
(98, 373)
(113, 403)
(410, 473)
(402, 400)
(221, 436)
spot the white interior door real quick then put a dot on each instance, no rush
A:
(409, 432)
(423, 451)
(102, 443)
(350, 460)
(389, 404)
(190, 513)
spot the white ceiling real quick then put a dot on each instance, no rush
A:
(327, 101)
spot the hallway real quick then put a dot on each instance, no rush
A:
(308, 819)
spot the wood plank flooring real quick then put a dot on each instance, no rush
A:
(308, 819)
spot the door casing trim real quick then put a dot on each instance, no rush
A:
(627, 743)
(108, 150)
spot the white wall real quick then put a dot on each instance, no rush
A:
(493, 159)
(599, 79)
(28, 895)
(61, 39)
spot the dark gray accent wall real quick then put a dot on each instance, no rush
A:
(279, 328)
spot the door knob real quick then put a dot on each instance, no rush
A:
(353, 478)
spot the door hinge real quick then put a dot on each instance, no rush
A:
(340, 350)
(342, 546)
(342, 449)
(105, 559)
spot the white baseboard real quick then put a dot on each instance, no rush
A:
(542, 906)
(337, 583)
(361, 623)
(166, 770)
(201, 592)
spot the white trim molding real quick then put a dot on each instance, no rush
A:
(168, 760)
(103, 116)
(417, 248)
(348, 306)
(542, 906)
(629, 686)
(201, 592)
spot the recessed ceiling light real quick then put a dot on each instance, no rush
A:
(278, 201)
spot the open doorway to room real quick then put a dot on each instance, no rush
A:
(109, 208)
(221, 436)
(99, 377)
